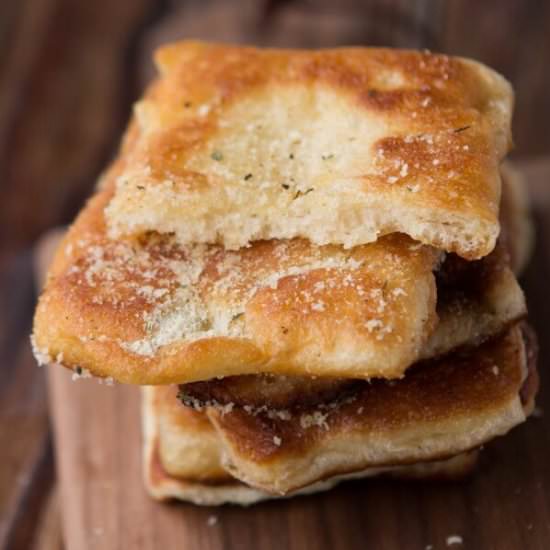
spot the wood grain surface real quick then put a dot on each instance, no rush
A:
(69, 71)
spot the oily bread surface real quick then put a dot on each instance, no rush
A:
(476, 301)
(154, 312)
(237, 144)
(172, 472)
(439, 409)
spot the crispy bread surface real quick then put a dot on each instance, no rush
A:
(154, 312)
(439, 409)
(237, 144)
(171, 472)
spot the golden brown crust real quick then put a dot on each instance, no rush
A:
(166, 424)
(337, 146)
(266, 390)
(184, 432)
(476, 300)
(153, 312)
(126, 309)
(438, 409)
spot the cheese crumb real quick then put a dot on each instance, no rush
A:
(316, 419)
(212, 520)
(277, 441)
(41, 355)
(373, 324)
(226, 409)
(454, 539)
(203, 110)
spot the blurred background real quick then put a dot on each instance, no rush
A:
(71, 69)
(69, 72)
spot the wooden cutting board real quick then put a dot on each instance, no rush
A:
(506, 505)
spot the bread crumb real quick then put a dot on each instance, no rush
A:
(41, 355)
(453, 540)
(212, 520)
(280, 414)
(277, 441)
(226, 409)
(373, 324)
(316, 419)
(203, 110)
(495, 370)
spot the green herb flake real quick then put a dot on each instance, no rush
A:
(247, 177)
(327, 157)
(461, 129)
(291, 156)
(78, 370)
(217, 155)
(302, 193)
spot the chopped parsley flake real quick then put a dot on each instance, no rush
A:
(217, 155)
(300, 193)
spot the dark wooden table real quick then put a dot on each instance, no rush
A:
(69, 72)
